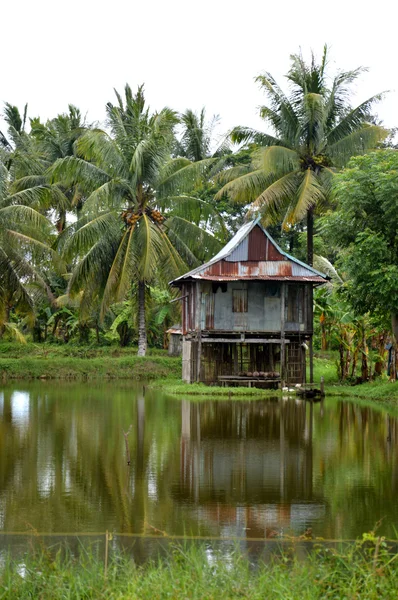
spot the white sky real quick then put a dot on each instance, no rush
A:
(56, 52)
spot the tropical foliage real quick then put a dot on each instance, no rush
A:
(96, 220)
(314, 130)
(136, 217)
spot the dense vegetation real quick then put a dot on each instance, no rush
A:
(364, 570)
(94, 221)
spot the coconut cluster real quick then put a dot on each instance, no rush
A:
(130, 217)
(156, 216)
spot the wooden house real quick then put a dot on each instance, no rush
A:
(247, 313)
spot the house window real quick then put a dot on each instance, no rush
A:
(295, 303)
(239, 301)
(272, 290)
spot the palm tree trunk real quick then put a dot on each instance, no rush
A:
(394, 327)
(142, 338)
(310, 236)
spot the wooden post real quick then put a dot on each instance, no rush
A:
(236, 359)
(311, 362)
(199, 356)
(322, 387)
(311, 324)
(283, 347)
(198, 327)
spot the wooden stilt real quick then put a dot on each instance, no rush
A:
(283, 346)
(236, 364)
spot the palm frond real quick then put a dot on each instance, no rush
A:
(25, 215)
(247, 135)
(180, 245)
(14, 332)
(354, 120)
(195, 210)
(276, 160)
(164, 122)
(41, 197)
(232, 173)
(309, 193)
(201, 243)
(246, 188)
(110, 195)
(359, 142)
(13, 272)
(44, 249)
(71, 170)
(323, 265)
(148, 248)
(172, 166)
(93, 269)
(29, 181)
(4, 182)
(280, 103)
(277, 195)
(172, 263)
(86, 234)
(147, 159)
(313, 122)
(97, 147)
(185, 179)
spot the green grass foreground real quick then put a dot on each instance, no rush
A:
(357, 571)
(33, 361)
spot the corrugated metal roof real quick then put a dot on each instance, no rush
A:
(221, 269)
(234, 242)
(313, 279)
(241, 252)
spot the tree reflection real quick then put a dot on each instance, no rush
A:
(256, 469)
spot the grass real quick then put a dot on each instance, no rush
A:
(33, 361)
(381, 391)
(366, 570)
(176, 387)
(74, 362)
(71, 350)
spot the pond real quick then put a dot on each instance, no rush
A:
(212, 468)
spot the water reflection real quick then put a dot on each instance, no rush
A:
(215, 468)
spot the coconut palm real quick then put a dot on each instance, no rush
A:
(138, 223)
(17, 148)
(315, 130)
(25, 236)
(46, 143)
(196, 141)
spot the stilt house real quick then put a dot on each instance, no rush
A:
(247, 313)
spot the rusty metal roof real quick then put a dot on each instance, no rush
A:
(256, 258)
(260, 278)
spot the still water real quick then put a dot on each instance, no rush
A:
(255, 469)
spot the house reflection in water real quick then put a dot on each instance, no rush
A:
(247, 468)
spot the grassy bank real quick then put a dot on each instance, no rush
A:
(176, 387)
(381, 391)
(67, 362)
(73, 362)
(197, 573)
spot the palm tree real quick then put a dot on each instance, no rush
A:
(196, 138)
(25, 238)
(30, 160)
(315, 131)
(137, 224)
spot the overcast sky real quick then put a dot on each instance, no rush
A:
(56, 52)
